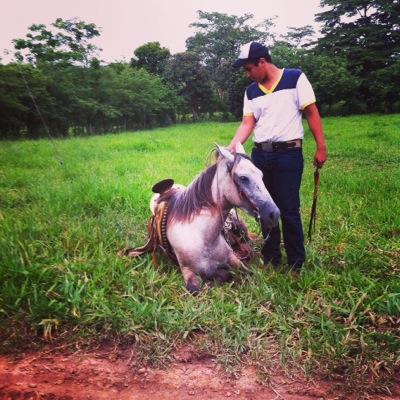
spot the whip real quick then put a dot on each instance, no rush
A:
(313, 217)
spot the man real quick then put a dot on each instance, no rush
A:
(273, 108)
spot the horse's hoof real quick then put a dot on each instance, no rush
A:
(193, 289)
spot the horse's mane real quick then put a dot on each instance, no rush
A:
(184, 204)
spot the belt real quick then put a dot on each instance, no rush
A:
(276, 146)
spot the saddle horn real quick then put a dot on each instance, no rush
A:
(163, 186)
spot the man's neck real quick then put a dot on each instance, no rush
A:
(272, 74)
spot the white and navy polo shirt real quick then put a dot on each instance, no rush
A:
(278, 111)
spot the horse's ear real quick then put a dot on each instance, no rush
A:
(225, 153)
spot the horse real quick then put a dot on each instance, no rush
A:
(197, 213)
(190, 223)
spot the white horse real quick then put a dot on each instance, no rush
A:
(196, 216)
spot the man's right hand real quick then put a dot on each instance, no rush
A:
(244, 131)
(232, 147)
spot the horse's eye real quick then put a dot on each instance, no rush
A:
(244, 179)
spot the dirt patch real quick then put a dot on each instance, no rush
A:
(109, 374)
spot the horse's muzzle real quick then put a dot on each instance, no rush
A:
(269, 215)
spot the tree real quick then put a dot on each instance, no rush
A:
(67, 42)
(139, 98)
(12, 107)
(190, 78)
(332, 82)
(299, 37)
(367, 34)
(152, 57)
(386, 90)
(63, 54)
(235, 93)
(335, 86)
(18, 115)
(75, 93)
(217, 42)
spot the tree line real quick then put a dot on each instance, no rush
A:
(58, 84)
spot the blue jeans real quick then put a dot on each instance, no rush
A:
(282, 177)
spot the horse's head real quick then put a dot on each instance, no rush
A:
(246, 189)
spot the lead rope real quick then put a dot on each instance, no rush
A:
(313, 216)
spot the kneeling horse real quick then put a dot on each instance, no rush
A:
(195, 216)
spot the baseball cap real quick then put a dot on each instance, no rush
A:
(250, 50)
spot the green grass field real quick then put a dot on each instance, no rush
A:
(61, 226)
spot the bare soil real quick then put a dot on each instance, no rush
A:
(105, 373)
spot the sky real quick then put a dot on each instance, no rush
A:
(128, 24)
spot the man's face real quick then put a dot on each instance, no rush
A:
(255, 72)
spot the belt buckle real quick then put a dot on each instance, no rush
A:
(267, 146)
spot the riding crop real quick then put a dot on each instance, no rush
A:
(313, 217)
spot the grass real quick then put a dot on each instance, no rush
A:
(61, 226)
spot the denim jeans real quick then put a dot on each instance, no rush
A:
(282, 177)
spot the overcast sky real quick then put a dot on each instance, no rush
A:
(127, 24)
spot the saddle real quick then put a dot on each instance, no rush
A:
(156, 228)
(234, 231)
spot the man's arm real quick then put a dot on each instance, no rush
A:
(314, 122)
(244, 131)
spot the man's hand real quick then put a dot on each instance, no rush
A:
(232, 147)
(320, 157)
(244, 131)
(314, 122)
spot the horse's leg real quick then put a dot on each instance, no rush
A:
(192, 281)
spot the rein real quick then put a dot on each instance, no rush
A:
(313, 216)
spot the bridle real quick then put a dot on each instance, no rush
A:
(243, 195)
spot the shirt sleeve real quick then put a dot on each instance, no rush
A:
(247, 110)
(305, 92)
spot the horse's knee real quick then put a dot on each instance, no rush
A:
(192, 281)
(223, 275)
(193, 287)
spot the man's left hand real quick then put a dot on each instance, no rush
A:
(320, 157)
